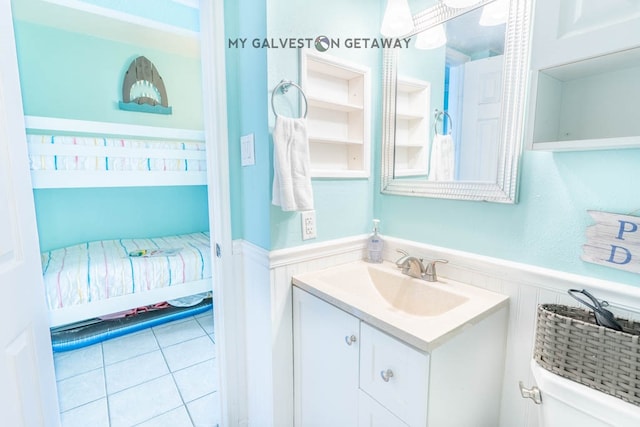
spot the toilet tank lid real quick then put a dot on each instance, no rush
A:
(600, 405)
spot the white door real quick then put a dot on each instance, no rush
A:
(27, 380)
(480, 127)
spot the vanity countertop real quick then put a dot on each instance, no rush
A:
(380, 295)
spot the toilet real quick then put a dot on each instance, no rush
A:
(567, 403)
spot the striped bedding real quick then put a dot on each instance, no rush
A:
(103, 269)
(124, 154)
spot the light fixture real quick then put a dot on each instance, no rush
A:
(494, 13)
(459, 4)
(432, 38)
(397, 20)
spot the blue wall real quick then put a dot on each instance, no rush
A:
(69, 216)
(344, 207)
(546, 228)
(247, 113)
(77, 76)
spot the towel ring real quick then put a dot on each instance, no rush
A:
(284, 88)
(437, 115)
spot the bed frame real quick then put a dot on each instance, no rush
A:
(82, 178)
(77, 313)
(100, 178)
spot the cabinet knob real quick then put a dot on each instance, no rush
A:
(350, 339)
(386, 375)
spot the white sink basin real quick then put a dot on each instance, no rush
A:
(412, 296)
(421, 313)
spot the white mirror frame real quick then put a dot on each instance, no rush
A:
(514, 91)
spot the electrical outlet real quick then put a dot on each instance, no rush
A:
(308, 225)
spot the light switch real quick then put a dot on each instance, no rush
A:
(247, 150)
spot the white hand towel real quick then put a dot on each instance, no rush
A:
(292, 189)
(442, 163)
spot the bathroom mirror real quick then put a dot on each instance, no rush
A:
(453, 110)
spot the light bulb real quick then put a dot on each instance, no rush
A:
(397, 20)
(460, 4)
(432, 38)
(494, 13)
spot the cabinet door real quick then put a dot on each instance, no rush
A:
(326, 351)
(569, 30)
(394, 374)
(373, 414)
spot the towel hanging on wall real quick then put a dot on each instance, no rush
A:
(442, 162)
(292, 189)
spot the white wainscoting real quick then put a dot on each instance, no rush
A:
(267, 280)
(527, 286)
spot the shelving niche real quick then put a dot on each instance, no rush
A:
(338, 94)
(412, 127)
(585, 59)
(588, 104)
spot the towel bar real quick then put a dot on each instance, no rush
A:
(437, 114)
(284, 87)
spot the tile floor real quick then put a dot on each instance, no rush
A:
(162, 376)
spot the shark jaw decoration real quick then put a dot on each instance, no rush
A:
(143, 89)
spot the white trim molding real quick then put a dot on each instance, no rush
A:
(228, 297)
(314, 251)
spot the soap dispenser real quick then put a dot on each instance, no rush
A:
(375, 244)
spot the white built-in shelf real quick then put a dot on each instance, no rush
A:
(82, 17)
(329, 140)
(585, 92)
(412, 126)
(335, 105)
(591, 104)
(338, 94)
(400, 115)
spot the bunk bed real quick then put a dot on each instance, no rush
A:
(98, 278)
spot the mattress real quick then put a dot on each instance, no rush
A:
(103, 269)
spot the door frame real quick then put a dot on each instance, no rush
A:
(228, 312)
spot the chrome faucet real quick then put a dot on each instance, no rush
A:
(410, 265)
(415, 267)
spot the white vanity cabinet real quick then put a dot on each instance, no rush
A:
(394, 374)
(326, 351)
(349, 373)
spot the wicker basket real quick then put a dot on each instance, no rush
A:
(569, 343)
